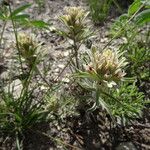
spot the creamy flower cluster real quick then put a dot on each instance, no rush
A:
(27, 45)
(108, 65)
(74, 21)
(74, 15)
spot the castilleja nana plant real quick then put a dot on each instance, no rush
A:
(103, 72)
(75, 29)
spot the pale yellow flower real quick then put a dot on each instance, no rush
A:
(108, 64)
(74, 16)
(75, 12)
(27, 45)
(75, 24)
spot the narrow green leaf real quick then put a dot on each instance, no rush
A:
(143, 17)
(134, 7)
(21, 16)
(85, 75)
(104, 105)
(20, 9)
(39, 24)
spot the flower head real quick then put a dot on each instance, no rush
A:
(74, 17)
(76, 12)
(74, 20)
(28, 48)
(27, 45)
(108, 65)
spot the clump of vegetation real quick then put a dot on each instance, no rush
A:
(21, 111)
(136, 48)
(99, 10)
(129, 104)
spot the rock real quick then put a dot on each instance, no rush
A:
(126, 146)
(61, 66)
(15, 88)
(104, 40)
(4, 75)
(56, 70)
(65, 80)
(66, 54)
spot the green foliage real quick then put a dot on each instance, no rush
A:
(99, 9)
(138, 14)
(136, 47)
(136, 50)
(39, 24)
(138, 58)
(143, 17)
(17, 16)
(20, 113)
(134, 7)
(131, 102)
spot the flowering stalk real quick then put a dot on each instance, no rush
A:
(75, 29)
(30, 49)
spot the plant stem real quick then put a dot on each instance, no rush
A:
(18, 142)
(44, 79)
(76, 53)
(16, 37)
(147, 37)
(2, 33)
(97, 94)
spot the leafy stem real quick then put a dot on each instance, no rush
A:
(75, 47)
